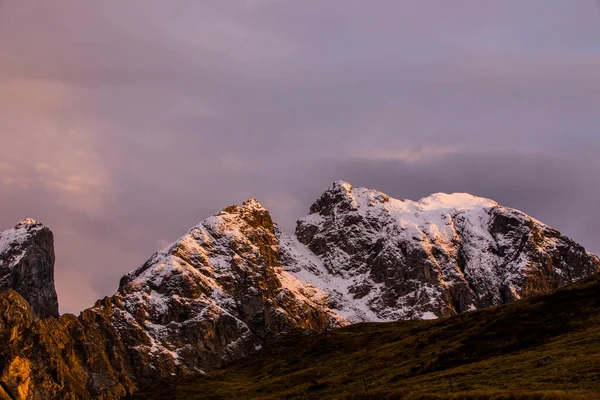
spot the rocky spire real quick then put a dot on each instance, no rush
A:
(27, 265)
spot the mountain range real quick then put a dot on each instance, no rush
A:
(235, 283)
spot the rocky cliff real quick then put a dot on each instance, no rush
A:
(27, 266)
(233, 283)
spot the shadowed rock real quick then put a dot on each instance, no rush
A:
(27, 266)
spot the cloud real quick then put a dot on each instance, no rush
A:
(21, 96)
(66, 163)
(560, 190)
(123, 126)
(407, 155)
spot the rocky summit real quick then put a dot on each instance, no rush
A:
(235, 282)
(382, 259)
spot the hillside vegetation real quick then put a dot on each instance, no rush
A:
(488, 354)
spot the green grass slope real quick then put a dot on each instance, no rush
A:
(487, 354)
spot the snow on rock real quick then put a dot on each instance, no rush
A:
(219, 292)
(383, 259)
(235, 282)
(310, 271)
(14, 240)
(27, 265)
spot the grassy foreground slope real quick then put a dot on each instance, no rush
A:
(486, 354)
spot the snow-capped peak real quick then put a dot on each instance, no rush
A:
(360, 197)
(224, 275)
(442, 254)
(343, 185)
(344, 194)
(455, 201)
(253, 204)
(18, 235)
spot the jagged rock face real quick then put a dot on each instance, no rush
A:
(386, 259)
(235, 282)
(217, 294)
(27, 266)
(62, 358)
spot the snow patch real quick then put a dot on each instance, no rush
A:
(15, 238)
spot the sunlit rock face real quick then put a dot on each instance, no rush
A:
(27, 266)
(383, 259)
(62, 358)
(235, 282)
(219, 292)
(215, 295)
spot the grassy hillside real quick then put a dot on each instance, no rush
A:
(486, 354)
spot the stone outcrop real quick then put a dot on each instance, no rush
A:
(63, 358)
(27, 266)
